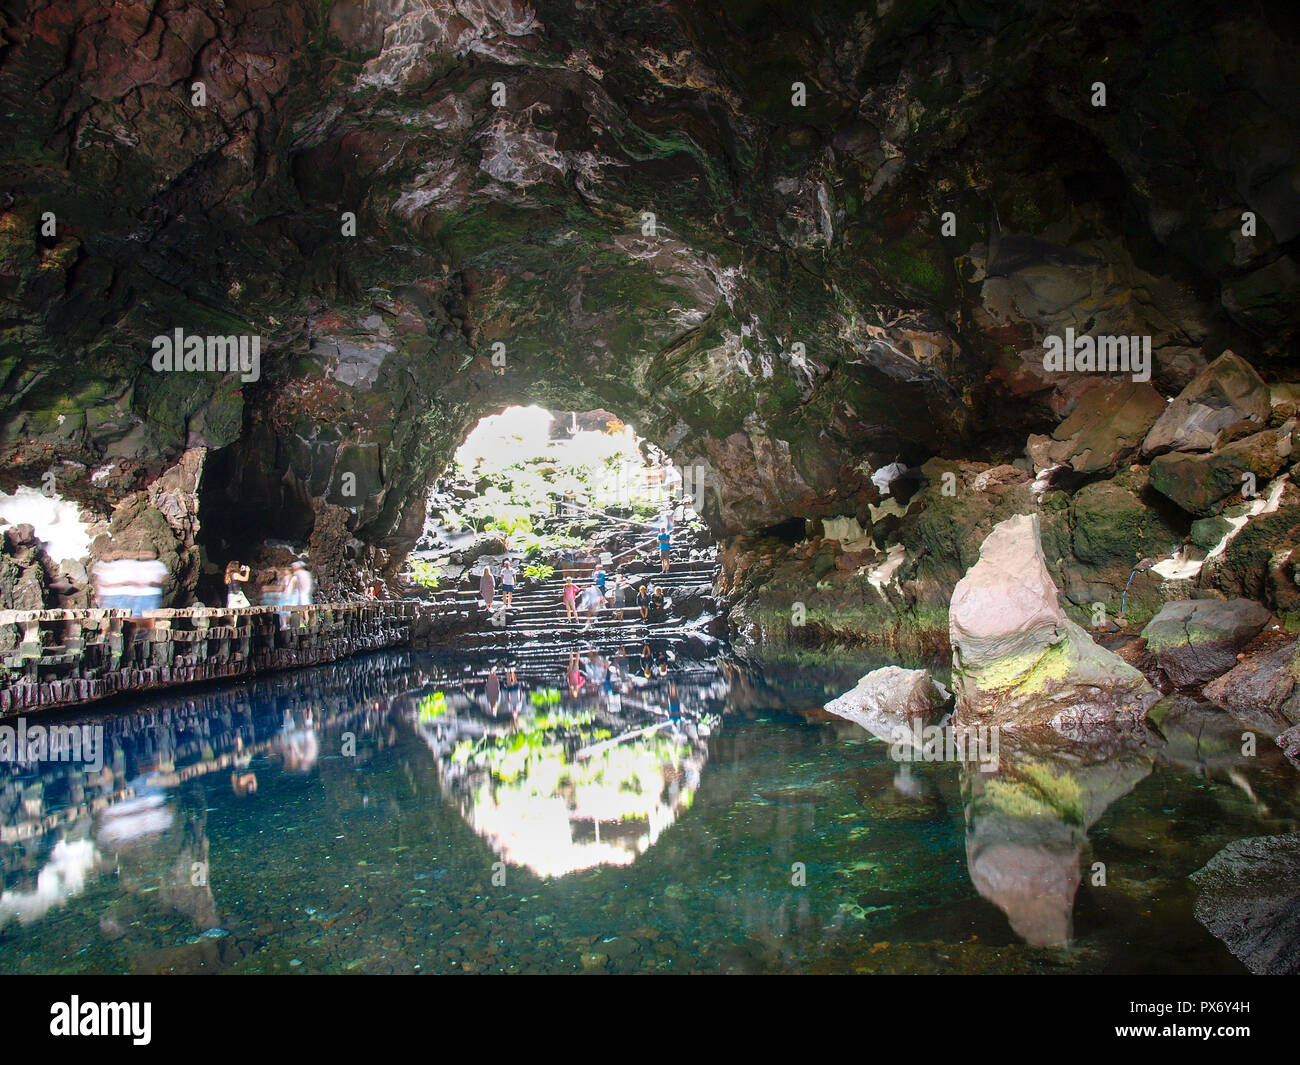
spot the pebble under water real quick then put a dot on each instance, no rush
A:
(380, 816)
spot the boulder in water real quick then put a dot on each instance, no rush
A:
(1263, 689)
(892, 696)
(1018, 660)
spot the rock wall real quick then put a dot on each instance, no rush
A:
(791, 243)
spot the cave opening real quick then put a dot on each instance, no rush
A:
(545, 487)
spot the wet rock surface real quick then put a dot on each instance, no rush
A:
(1249, 896)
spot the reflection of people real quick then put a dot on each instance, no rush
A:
(493, 691)
(300, 746)
(236, 575)
(243, 784)
(575, 677)
(514, 693)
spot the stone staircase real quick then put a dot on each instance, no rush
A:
(535, 638)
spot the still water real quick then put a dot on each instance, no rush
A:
(404, 813)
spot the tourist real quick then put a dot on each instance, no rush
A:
(659, 606)
(236, 575)
(598, 578)
(570, 599)
(487, 586)
(665, 544)
(643, 602)
(618, 597)
(507, 583)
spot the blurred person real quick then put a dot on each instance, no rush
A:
(146, 576)
(592, 601)
(111, 580)
(298, 588)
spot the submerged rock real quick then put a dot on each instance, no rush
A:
(1018, 660)
(1249, 897)
(1196, 640)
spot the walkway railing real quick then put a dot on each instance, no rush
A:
(62, 657)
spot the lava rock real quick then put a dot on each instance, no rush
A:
(1227, 391)
(1197, 640)
(1263, 689)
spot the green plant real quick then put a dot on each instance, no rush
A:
(423, 572)
(538, 571)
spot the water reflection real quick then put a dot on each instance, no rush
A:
(584, 771)
(350, 817)
(1028, 811)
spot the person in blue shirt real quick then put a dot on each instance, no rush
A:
(665, 545)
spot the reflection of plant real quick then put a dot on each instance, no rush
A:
(423, 572)
(433, 706)
(1037, 792)
(544, 697)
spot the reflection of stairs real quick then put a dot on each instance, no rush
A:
(535, 638)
